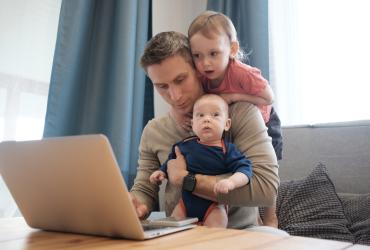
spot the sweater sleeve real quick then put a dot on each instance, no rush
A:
(171, 156)
(142, 189)
(237, 162)
(249, 134)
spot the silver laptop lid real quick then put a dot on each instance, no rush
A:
(70, 184)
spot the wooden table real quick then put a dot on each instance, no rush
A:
(15, 234)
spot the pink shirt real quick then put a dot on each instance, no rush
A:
(240, 78)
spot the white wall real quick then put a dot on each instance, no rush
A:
(173, 15)
(27, 37)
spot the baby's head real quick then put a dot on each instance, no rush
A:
(210, 118)
(213, 41)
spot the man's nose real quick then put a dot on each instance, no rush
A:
(175, 93)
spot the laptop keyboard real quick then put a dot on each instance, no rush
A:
(147, 227)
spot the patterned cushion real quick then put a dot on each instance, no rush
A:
(311, 208)
(357, 209)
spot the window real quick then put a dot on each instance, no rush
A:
(319, 52)
(28, 31)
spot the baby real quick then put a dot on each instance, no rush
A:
(207, 153)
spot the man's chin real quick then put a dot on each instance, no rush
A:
(183, 111)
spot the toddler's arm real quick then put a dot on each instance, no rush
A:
(265, 97)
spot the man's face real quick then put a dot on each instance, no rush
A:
(176, 81)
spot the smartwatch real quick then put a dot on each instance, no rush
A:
(189, 182)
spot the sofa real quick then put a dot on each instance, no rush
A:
(325, 181)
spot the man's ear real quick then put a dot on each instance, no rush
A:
(234, 49)
(228, 124)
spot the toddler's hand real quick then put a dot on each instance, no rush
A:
(223, 186)
(229, 98)
(157, 177)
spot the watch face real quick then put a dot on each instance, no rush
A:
(189, 183)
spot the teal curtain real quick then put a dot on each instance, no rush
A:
(250, 18)
(97, 85)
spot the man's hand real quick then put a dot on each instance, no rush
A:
(157, 177)
(176, 169)
(223, 186)
(141, 209)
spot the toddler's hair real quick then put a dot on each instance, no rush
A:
(210, 24)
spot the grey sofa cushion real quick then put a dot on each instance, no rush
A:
(357, 210)
(311, 207)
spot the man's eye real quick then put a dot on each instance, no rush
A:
(162, 86)
(179, 80)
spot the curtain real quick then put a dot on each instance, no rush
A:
(313, 84)
(250, 18)
(97, 85)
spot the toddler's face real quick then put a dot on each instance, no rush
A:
(210, 119)
(211, 55)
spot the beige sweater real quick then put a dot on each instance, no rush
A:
(248, 133)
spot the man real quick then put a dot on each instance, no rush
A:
(168, 63)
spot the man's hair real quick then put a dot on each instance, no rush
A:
(164, 45)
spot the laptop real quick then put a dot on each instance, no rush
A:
(73, 184)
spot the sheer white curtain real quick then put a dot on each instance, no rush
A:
(28, 31)
(319, 52)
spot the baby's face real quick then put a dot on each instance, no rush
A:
(211, 55)
(210, 119)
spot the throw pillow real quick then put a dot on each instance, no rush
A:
(357, 209)
(311, 208)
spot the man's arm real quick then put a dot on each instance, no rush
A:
(143, 192)
(250, 136)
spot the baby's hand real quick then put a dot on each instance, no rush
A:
(223, 186)
(157, 177)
